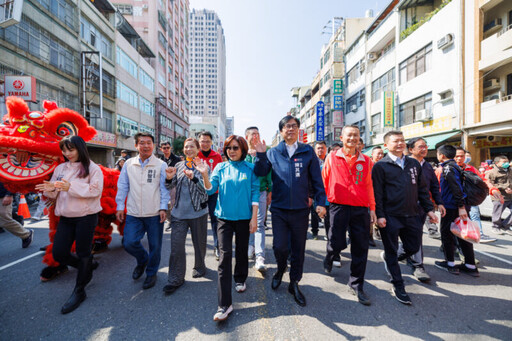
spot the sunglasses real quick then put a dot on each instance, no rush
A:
(165, 148)
(234, 148)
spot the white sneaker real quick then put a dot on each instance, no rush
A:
(240, 287)
(337, 263)
(260, 264)
(222, 313)
(250, 253)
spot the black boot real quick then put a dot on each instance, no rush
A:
(83, 278)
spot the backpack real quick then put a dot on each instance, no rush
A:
(475, 188)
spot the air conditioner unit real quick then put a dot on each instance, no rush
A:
(423, 115)
(146, 29)
(372, 56)
(445, 41)
(491, 83)
(353, 108)
(494, 96)
(144, 6)
(446, 95)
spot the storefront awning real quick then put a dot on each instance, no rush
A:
(433, 141)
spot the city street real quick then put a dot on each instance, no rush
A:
(450, 307)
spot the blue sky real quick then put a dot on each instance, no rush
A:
(272, 46)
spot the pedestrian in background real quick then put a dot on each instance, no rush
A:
(76, 186)
(295, 170)
(9, 223)
(500, 176)
(190, 211)
(321, 152)
(237, 211)
(257, 239)
(171, 160)
(142, 181)
(212, 159)
(399, 185)
(454, 198)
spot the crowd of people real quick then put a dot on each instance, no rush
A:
(386, 196)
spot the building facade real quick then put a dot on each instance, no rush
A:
(163, 24)
(208, 72)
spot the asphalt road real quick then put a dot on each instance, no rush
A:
(448, 308)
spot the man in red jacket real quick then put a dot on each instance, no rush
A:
(348, 185)
(212, 158)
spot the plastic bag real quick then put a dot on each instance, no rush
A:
(466, 230)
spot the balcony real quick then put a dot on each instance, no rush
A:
(492, 111)
(496, 49)
(486, 5)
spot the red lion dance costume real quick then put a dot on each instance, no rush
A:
(30, 152)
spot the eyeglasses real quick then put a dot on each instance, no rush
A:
(291, 126)
(234, 148)
(165, 148)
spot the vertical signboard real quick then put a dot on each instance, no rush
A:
(338, 86)
(389, 109)
(337, 134)
(301, 135)
(337, 118)
(320, 120)
(337, 102)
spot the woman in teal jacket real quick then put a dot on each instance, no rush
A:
(237, 210)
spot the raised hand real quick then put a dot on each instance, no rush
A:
(201, 166)
(260, 146)
(46, 186)
(170, 172)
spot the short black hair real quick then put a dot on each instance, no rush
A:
(361, 140)
(460, 148)
(205, 133)
(320, 142)
(412, 142)
(447, 150)
(165, 143)
(144, 134)
(392, 133)
(378, 147)
(334, 145)
(499, 158)
(287, 119)
(251, 128)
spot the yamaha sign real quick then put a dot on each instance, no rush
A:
(21, 86)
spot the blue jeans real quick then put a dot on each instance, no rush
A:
(134, 232)
(474, 215)
(257, 239)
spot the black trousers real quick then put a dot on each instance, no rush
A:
(290, 228)
(449, 239)
(81, 230)
(315, 220)
(410, 231)
(212, 202)
(225, 231)
(355, 220)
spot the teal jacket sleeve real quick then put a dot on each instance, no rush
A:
(214, 180)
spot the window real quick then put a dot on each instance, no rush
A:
(352, 102)
(126, 127)
(105, 123)
(161, 60)
(146, 106)
(126, 62)
(63, 10)
(126, 94)
(417, 64)
(161, 39)
(40, 43)
(146, 80)
(179, 129)
(386, 82)
(353, 74)
(93, 36)
(408, 110)
(145, 129)
(125, 9)
(376, 123)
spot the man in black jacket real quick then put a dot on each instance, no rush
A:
(418, 149)
(399, 185)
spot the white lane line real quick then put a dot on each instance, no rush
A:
(21, 260)
(488, 255)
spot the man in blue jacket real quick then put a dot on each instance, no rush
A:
(294, 168)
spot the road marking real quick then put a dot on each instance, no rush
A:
(488, 255)
(21, 260)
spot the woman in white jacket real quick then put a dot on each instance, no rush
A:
(76, 187)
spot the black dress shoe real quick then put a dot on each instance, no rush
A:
(327, 265)
(139, 270)
(276, 280)
(149, 282)
(73, 302)
(293, 289)
(361, 296)
(169, 288)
